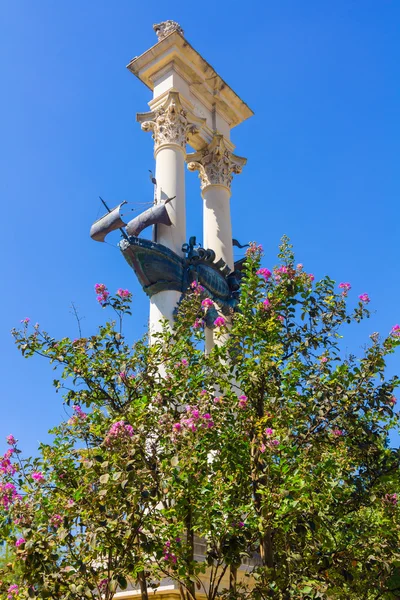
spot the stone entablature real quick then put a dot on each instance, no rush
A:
(216, 163)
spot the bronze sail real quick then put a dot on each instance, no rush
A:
(155, 214)
(107, 223)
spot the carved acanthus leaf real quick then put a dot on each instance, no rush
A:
(216, 164)
(169, 123)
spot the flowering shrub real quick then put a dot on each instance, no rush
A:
(271, 443)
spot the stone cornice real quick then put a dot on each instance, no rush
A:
(216, 164)
(170, 123)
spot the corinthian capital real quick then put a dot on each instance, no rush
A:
(216, 164)
(170, 123)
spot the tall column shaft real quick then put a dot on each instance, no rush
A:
(217, 226)
(170, 177)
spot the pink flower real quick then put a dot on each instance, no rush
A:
(119, 431)
(243, 401)
(345, 287)
(79, 412)
(20, 541)
(207, 416)
(11, 441)
(37, 476)
(299, 267)
(13, 591)
(263, 448)
(275, 442)
(219, 322)
(196, 287)
(395, 331)
(195, 413)
(218, 400)
(392, 400)
(266, 304)
(207, 303)
(265, 273)
(123, 293)
(198, 324)
(391, 498)
(311, 277)
(254, 249)
(364, 298)
(56, 520)
(184, 362)
(177, 426)
(102, 292)
(70, 503)
(103, 584)
(8, 495)
(280, 270)
(323, 359)
(269, 431)
(6, 465)
(337, 432)
(280, 318)
(25, 321)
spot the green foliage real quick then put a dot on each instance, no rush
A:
(272, 448)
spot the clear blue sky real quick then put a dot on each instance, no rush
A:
(323, 155)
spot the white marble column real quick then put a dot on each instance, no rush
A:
(171, 125)
(216, 166)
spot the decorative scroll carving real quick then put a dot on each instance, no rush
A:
(171, 123)
(165, 28)
(216, 164)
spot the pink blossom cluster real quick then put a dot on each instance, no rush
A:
(6, 465)
(264, 273)
(103, 584)
(20, 542)
(193, 420)
(119, 431)
(56, 520)
(11, 441)
(78, 416)
(254, 249)
(102, 293)
(338, 432)
(207, 303)
(219, 322)
(37, 476)
(124, 376)
(391, 499)
(364, 298)
(395, 331)
(345, 286)
(266, 304)
(242, 401)
(279, 271)
(8, 495)
(272, 442)
(167, 554)
(13, 591)
(124, 294)
(198, 324)
(196, 287)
